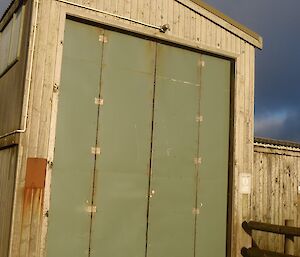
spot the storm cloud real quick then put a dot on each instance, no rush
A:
(276, 124)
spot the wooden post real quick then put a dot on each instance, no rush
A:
(249, 231)
(289, 240)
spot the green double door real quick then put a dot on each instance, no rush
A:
(141, 153)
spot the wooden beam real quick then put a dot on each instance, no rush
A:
(289, 247)
(256, 252)
(265, 227)
(9, 141)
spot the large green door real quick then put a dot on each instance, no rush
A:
(124, 137)
(71, 190)
(214, 151)
(142, 146)
(171, 227)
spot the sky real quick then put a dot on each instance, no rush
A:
(3, 6)
(277, 83)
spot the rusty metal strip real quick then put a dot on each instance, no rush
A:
(35, 173)
(9, 141)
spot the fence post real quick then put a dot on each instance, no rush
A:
(289, 240)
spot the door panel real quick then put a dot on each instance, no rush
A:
(175, 146)
(153, 96)
(125, 123)
(214, 151)
(69, 222)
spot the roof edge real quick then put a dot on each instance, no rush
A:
(10, 10)
(276, 142)
(231, 21)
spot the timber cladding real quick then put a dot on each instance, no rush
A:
(12, 77)
(8, 161)
(276, 196)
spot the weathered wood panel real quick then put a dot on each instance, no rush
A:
(275, 195)
(12, 84)
(8, 160)
(190, 24)
(33, 196)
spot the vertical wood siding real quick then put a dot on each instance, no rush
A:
(274, 198)
(12, 84)
(31, 222)
(186, 24)
(8, 158)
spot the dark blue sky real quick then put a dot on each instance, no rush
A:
(277, 86)
(3, 6)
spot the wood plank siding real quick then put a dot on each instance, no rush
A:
(8, 158)
(12, 80)
(275, 196)
(191, 26)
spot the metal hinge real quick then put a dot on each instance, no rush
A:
(199, 118)
(152, 193)
(95, 150)
(99, 101)
(91, 209)
(196, 211)
(103, 39)
(198, 160)
(201, 63)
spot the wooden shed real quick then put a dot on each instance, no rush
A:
(126, 129)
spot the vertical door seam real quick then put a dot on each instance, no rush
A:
(151, 150)
(96, 145)
(197, 165)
